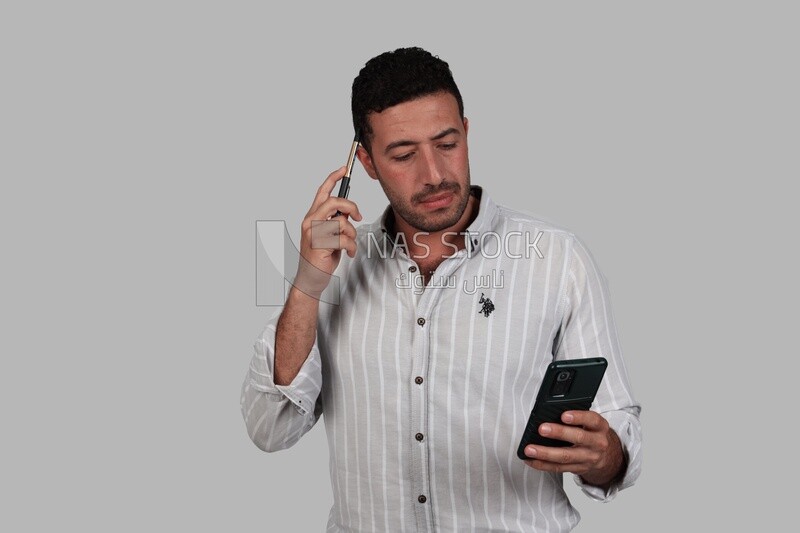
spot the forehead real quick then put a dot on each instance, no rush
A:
(416, 119)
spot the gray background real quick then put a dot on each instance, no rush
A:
(140, 143)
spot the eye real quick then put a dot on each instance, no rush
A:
(447, 146)
(404, 157)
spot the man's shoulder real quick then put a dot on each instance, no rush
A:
(514, 217)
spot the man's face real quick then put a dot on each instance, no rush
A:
(419, 156)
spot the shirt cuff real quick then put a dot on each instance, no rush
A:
(628, 429)
(304, 389)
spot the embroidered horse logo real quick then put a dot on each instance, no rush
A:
(488, 306)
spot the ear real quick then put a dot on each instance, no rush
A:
(366, 162)
(466, 125)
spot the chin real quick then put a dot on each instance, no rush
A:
(441, 222)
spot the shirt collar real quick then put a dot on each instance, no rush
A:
(487, 211)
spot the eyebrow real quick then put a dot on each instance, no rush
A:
(397, 144)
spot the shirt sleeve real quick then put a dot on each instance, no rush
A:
(588, 330)
(277, 416)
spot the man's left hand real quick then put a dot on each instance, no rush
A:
(596, 454)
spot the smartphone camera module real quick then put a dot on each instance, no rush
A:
(562, 382)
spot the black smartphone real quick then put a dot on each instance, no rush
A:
(568, 385)
(344, 186)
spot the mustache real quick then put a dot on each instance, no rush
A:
(446, 186)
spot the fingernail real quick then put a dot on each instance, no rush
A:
(544, 429)
(568, 417)
(530, 451)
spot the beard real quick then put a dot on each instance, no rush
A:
(430, 221)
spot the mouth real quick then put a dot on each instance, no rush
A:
(438, 201)
(441, 198)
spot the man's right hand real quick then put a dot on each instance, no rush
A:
(324, 235)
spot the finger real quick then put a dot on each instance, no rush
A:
(324, 191)
(326, 213)
(331, 207)
(347, 228)
(350, 209)
(340, 242)
(586, 419)
(318, 222)
(351, 246)
(324, 235)
(335, 206)
(572, 434)
(560, 468)
(347, 237)
(334, 234)
(565, 455)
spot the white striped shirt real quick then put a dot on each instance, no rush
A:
(426, 393)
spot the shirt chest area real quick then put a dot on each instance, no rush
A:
(472, 317)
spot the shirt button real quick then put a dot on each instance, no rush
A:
(419, 436)
(422, 498)
(418, 380)
(421, 321)
(412, 269)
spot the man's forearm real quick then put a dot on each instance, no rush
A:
(294, 335)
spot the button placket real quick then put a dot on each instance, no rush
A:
(419, 409)
(426, 311)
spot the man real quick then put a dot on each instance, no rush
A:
(450, 310)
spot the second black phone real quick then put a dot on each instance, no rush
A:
(568, 385)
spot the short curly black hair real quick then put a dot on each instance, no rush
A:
(396, 77)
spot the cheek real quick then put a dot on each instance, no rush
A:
(461, 163)
(392, 185)
(397, 177)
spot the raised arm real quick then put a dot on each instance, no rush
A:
(280, 391)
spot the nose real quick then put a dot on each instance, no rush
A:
(430, 171)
